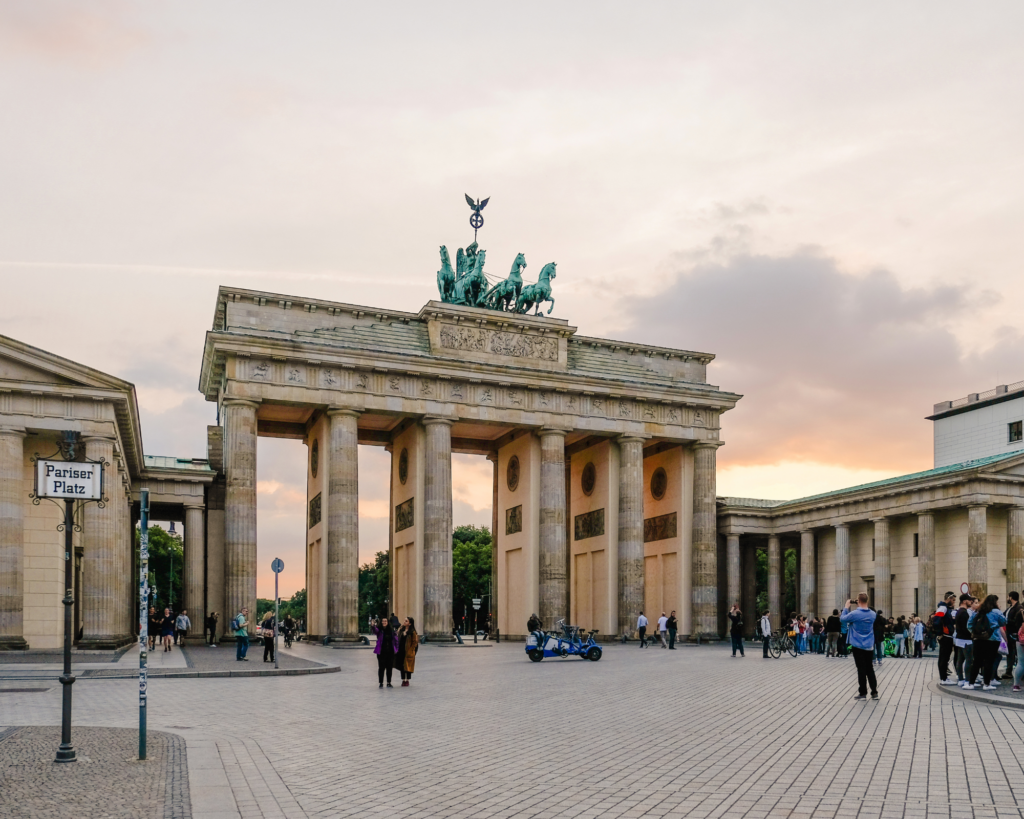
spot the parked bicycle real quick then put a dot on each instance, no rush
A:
(782, 641)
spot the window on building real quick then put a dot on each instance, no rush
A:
(917, 607)
(1016, 430)
(872, 549)
(915, 555)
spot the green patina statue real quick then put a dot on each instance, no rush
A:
(468, 285)
(537, 294)
(504, 294)
(471, 287)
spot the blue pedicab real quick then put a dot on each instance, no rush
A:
(570, 643)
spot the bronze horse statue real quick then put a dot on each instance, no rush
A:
(504, 294)
(536, 294)
(471, 288)
(445, 276)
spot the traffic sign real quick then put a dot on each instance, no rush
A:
(277, 566)
(476, 603)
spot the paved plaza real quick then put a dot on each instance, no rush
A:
(483, 732)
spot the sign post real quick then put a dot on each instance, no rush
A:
(277, 567)
(143, 616)
(69, 480)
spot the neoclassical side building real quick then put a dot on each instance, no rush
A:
(905, 540)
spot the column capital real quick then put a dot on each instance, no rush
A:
(630, 437)
(978, 505)
(431, 420)
(343, 412)
(240, 402)
(13, 431)
(840, 525)
(545, 432)
(110, 439)
(708, 444)
(200, 506)
(493, 456)
(929, 514)
(880, 519)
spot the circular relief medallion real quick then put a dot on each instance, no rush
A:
(314, 457)
(512, 474)
(589, 478)
(659, 483)
(403, 466)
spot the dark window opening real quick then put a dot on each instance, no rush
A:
(1016, 431)
(915, 555)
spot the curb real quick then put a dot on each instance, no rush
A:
(165, 673)
(986, 699)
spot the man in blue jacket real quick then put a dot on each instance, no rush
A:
(861, 638)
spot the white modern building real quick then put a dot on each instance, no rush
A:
(980, 425)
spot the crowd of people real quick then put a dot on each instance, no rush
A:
(170, 629)
(906, 637)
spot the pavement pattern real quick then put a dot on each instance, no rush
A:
(107, 781)
(642, 733)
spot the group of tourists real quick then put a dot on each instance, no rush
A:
(171, 629)
(397, 644)
(905, 636)
(978, 636)
(668, 627)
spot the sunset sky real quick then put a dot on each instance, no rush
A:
(827, 197)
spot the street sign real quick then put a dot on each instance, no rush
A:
(476, 603)
(277, 566)
(73, 480)
(965, 589)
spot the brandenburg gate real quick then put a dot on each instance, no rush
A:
(603, 453)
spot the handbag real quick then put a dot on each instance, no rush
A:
(1002, 647)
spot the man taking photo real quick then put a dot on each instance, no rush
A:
(861, 638)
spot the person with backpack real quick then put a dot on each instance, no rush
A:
(832, 629)
(986, 631)
(962, 642)
(239, 625)
(1014, 621)
(943, 627)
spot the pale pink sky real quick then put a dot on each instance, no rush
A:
(827, 197)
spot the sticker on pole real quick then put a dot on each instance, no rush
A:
(277, 566)
(69, 479)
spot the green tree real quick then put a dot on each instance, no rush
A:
(166, 561)
(263, 605)
(471, 573)
(374, 589)
(296, 606)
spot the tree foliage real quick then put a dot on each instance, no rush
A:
(166, 562)
(471, 573)
(374, 594)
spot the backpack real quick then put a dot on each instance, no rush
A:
(981, 628)
(235, 625)
(1020, 636)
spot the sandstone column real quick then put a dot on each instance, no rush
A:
(100, 582)
(13, 494)
(704, 546)
(631, 532)
(239, 510)
(554, 587)
(808, 604)
(749, 591)
(977, 550)
(883, 568)
(492, 602)
(1015, 549)
(733, 571)
(343, 526)
(775, 580)
(842, 565)
(195, 570)
(437, 529)
(925, 564)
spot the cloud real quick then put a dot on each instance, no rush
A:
(835, 367)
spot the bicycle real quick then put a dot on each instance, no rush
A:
(781, 641)
(890, 645)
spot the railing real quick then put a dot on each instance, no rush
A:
(975, 397)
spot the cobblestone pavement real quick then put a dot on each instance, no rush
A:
(653, 733)
(107, 781)
(204, 658)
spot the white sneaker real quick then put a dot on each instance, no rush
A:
(995, 683)
(962, 683)
(968, 687)
(946, 681)
(988, 688)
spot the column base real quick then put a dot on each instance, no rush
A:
(344, 638)
(13, 643)
(704, 638)
(195, 640)
(104, 643)
(444, 637)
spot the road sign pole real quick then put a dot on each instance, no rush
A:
(276, 566)
(143, 616)
(66, 751)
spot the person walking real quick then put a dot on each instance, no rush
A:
(240, 626)
(641, 628)
(918, 638)
(766, 632)
(878, 628)
(267, 626)
(153, 627)
(673, 629)
(386, 649)
(861, 636)
(736, 629)
(1014, 621)
(943, 627)
(963, 645)
(832, 630)
(167, 629)
(408, 645)
(181, 626)
(987, 631)
(663, 630)
(211, 627)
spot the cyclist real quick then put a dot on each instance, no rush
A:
(288, 628)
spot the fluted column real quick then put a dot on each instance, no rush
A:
(195, 570)
(704, 548)
(977, 550)
(554, 587)
(1015, 549)
(343, 526)
(842, 564)
(748, 593)
(883, 568)
(733, 570)
(492, 602)
(101, 603)
(808, 604)
(240, 509)
(437, 529)
(13, 493)
(775, 579)
(631, 532)
(926, 564)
